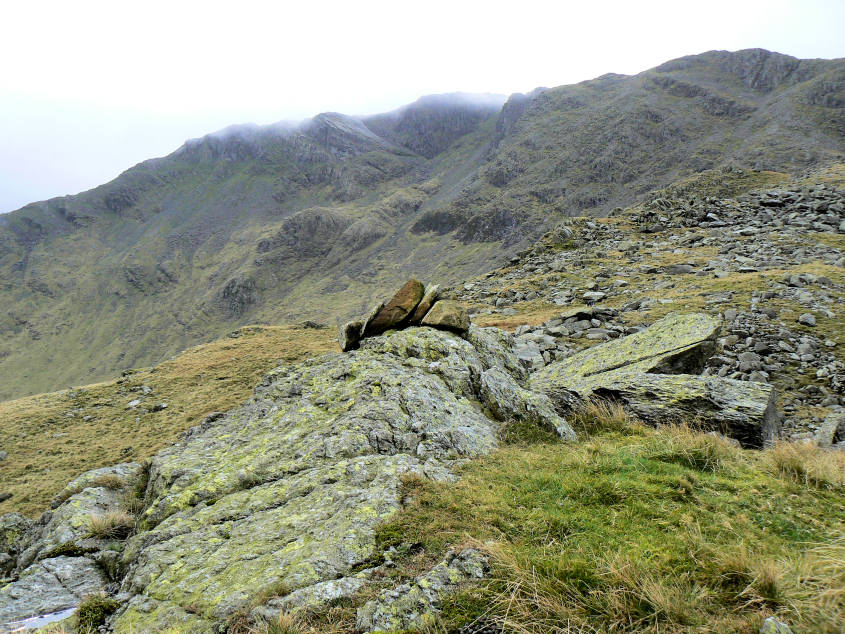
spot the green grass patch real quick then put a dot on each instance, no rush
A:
(659, 531)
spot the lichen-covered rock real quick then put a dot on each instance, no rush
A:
(447, 315)
(68, 527)
(48, 586)
(14, 528)
(405, 607)
(772, 626)
(832, 426)
(508, 400)
(431, 292)
(319, 593)
(288, 488)
(673, 345)
(743, 410)
(397, 309)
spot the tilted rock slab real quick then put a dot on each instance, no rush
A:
(744, 410)
(290, 487)
(396, 310)
(51, 585)
(652, 372)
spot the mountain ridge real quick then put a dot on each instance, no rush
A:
(312, 221)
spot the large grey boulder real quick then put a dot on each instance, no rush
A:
(672, 345)
(288, 488)
(653, 373)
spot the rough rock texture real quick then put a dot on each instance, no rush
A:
(651, 370)
(507, 399)
(69, 524)
(404, 607)
(743, 410)
(50, 585)
(431, 292)
(831, 429)
(13, 530)
(288, 488)
(349, 334)
(772, 626)
(672, 345)
(397, 309)
(447, 315)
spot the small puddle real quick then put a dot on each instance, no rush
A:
(34, 622)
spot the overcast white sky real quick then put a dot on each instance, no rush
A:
(89, 88)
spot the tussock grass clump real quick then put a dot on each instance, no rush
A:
(599, 415)
(697, 450)
(109, 481)
(93, 612)
(628, 532)
(807, 464)
(111, 525)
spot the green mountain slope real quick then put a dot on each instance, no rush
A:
(313, 221)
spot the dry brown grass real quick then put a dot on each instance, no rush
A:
(807, 464)
(109, 481)
(696, 449)
(598, 415)
(111, 525)
(51, 438)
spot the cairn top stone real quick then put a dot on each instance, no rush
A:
(447, 315)
(397, 309)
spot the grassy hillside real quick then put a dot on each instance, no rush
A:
(50, 438)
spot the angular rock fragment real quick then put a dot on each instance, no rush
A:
(447, 315)
(506, 399)
(650, 372)
(425, 304)
(832, 426)
(349, 334)
(396, 310)
(672, 345)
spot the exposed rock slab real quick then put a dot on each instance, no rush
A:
(289, 487)
(743, 410)
(70, 523)
(50, 585)
(404, 607)
(650, 372)
(672, 345)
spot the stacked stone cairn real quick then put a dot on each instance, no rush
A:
(412, 305)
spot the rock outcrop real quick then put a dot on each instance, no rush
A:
(285, 491)
(406, 606)
(653, 373)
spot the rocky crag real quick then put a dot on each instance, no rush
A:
(281, 496)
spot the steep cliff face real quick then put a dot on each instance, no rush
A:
(314, 220)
